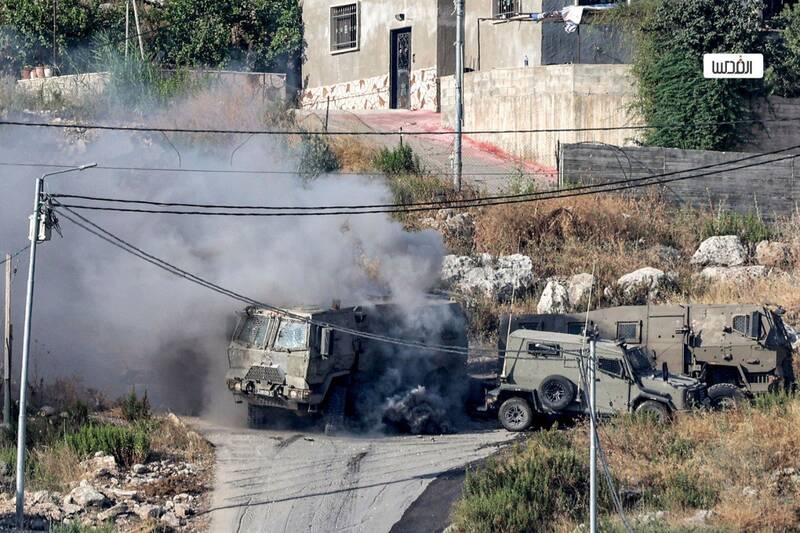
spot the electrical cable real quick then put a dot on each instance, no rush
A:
(373, 133)
(15, 254)
(453, 204)
(118, 242)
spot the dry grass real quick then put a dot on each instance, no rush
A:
(354, 154)
(172, 437)
(56, 467)
(733, 464)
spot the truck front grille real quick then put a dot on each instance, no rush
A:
(264, 373)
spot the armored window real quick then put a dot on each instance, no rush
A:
(741, 324)
(575, 328)
(628, 332)
(531, 326)
(544, 350)
(610, 366)
(254, 331)
(504, 8)
(291, 336)
(344, 27)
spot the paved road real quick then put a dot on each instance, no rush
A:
(484, 165)
(286, 480)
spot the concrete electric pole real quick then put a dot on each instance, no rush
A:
(7, 348)
(38, 232)
(459, 100)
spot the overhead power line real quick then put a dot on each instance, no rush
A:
(302, 211)
(120, 243)
(440, 203)
(15, 254)
(90, 126)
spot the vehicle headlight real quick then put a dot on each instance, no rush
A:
(237, 386)
(293, 394)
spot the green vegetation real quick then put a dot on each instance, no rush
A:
(669, 70)
(135, 408)
(75, 527)
(783, 54)
(248, 35)
(397, 161)
(316, 156)
(749, 227)
(127, 445)
(702, 461)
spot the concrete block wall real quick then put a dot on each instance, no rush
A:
(553, 97)
(771, 189)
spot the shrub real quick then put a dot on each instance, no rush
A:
(127, 445)
(135, 408)
(316, 156)
(748, 226)
(76, 527)
(397, 161)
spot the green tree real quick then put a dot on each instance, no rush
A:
(673, 37)
(783, 54)
(249, 34)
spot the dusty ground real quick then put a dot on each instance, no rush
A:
(289, 480)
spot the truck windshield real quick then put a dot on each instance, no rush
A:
(639, 361)
(777, 335)
(254, 331)
(291, 336)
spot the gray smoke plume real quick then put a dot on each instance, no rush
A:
(117, 322)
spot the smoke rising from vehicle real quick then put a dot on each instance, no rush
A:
(117, 322)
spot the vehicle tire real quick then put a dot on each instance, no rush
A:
(724, 396)
(516, 414)
(334, 409)
(256, 416)
(556, 392)
(655, 410)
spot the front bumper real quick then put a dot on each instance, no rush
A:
(267, 393)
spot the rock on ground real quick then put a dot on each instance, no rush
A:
(725, 250)
(555, 298)
(459, 227)
(85, 495)
(773, 254)
(734, 275)
(648, 277)
(493, 277)
(579, 287)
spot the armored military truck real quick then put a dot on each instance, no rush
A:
(544, 373)
(737, 350)
(300, 360)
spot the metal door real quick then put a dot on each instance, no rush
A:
(400, 69)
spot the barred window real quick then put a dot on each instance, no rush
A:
(741, 324)
(504, 8)
(344, 27)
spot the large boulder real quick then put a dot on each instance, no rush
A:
(726, 250)
(734, 275)
(85, 495)
(494, 277)
(648, 278)
(773, 254)
(555, 298)
(579, 287)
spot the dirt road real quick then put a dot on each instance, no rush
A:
(286, 480)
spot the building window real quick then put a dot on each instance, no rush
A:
(505, 8)
(344, 27)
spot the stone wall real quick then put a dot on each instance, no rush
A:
(553, 97)
(72, 87)
(373, 93)
(771, 188)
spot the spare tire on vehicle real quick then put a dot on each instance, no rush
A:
(556, 392)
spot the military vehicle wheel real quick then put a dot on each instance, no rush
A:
(656, 410)
(516, 414)
(256, 416)
(724, 396)
(556, 392)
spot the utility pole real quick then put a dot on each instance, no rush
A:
(127, 26)
(459, 83)
(38, 232)
(7, 348)
(592, 377)
(138, 28)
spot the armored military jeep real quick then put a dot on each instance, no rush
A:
(305, 363)
(544, 373)
(737, 350)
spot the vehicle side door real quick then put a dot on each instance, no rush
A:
(613, 388)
